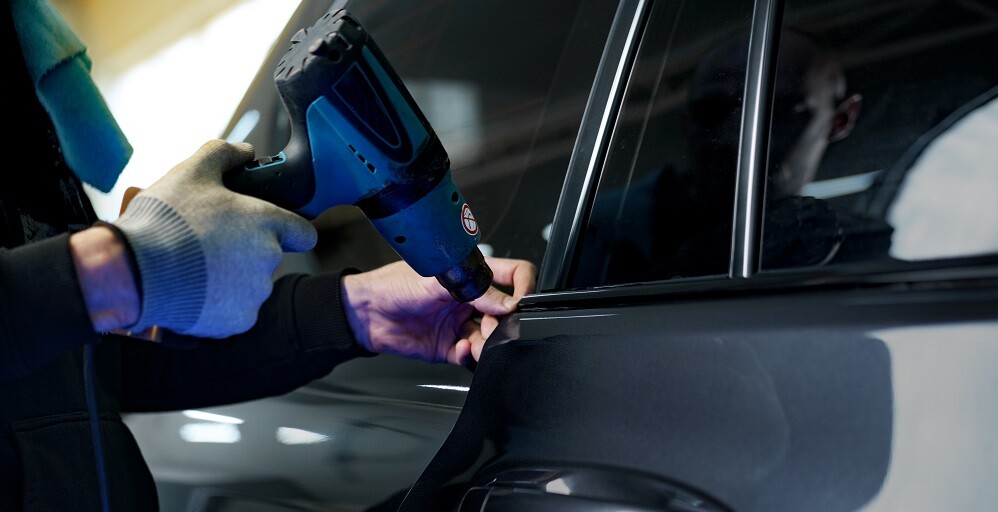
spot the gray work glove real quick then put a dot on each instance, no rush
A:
(206, 255)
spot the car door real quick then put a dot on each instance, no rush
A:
(771, 281)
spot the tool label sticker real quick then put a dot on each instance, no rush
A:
(468, 220)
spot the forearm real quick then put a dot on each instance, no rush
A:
(105, 277)
(301, 335)
(42, 311)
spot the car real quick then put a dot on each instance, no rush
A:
(767, 239)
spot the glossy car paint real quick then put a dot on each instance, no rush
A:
(833, 389)
(355, 438)
(823, 399)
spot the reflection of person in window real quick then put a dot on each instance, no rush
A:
(812, 108)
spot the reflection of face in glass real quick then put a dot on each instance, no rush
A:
(810, 91)
(809, 110)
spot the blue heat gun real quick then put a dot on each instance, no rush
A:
(358, 138)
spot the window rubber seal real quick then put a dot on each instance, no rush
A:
(590, 147)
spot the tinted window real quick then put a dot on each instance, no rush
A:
(504, 84)
(663, 205)
(884, 132)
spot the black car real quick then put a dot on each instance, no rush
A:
(767, 235)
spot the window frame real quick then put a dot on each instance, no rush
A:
(588, 159)
(591, 144)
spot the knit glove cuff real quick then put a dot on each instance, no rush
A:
(171, 264)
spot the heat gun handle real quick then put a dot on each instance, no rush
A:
(283, 179)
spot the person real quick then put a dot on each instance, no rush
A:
(686, 228)
(187, 255)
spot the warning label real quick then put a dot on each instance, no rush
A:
(468, 220)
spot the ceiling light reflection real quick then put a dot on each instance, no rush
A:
(558, 486)
(464, 389)
(210, 433)
(288, 435)
(207, 416)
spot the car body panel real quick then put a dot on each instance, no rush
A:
(355, 438)
(816, 400)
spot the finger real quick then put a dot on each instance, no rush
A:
(489, 324)
(487, 327)
(294, 233)
(469, 329)
(495, 302)
(459, 353)
(476, 349)
(216, 156)
(521, 274)
(472, 333)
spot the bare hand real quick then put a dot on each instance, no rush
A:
(394, 310)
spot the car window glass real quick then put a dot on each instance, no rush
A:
(663, 204)
(883, 136)
(504, 84)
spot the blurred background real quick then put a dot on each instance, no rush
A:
(172, 72)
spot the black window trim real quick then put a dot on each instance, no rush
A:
(947, 274)
(591, 144)
(754, 141)
(744, 277)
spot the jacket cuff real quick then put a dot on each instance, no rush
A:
(320, 317)
(43, 308)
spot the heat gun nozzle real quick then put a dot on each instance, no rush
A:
(469, 279)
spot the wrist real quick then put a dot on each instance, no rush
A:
(357, 309)
(104, 273)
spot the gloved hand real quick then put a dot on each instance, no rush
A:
(394, 310)
(206, 255)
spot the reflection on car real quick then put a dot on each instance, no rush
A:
(767, 235)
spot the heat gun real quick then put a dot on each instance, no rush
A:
(358, 138)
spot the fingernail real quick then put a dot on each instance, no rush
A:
(510, 302)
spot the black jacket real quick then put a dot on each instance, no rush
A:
(63, 444)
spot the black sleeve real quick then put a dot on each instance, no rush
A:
(300, 335)
(42, 312)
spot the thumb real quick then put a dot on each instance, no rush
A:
(219, 156)
(294, 233)
(495, 302)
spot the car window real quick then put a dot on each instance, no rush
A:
(883, 135)
(504, 84)
(664, 202)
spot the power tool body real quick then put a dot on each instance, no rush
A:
(358, 138)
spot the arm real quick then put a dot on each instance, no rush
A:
(42, 310)
(105, 277)
(60, 294)
(204, 256)
(301, 335)
(310, 324)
